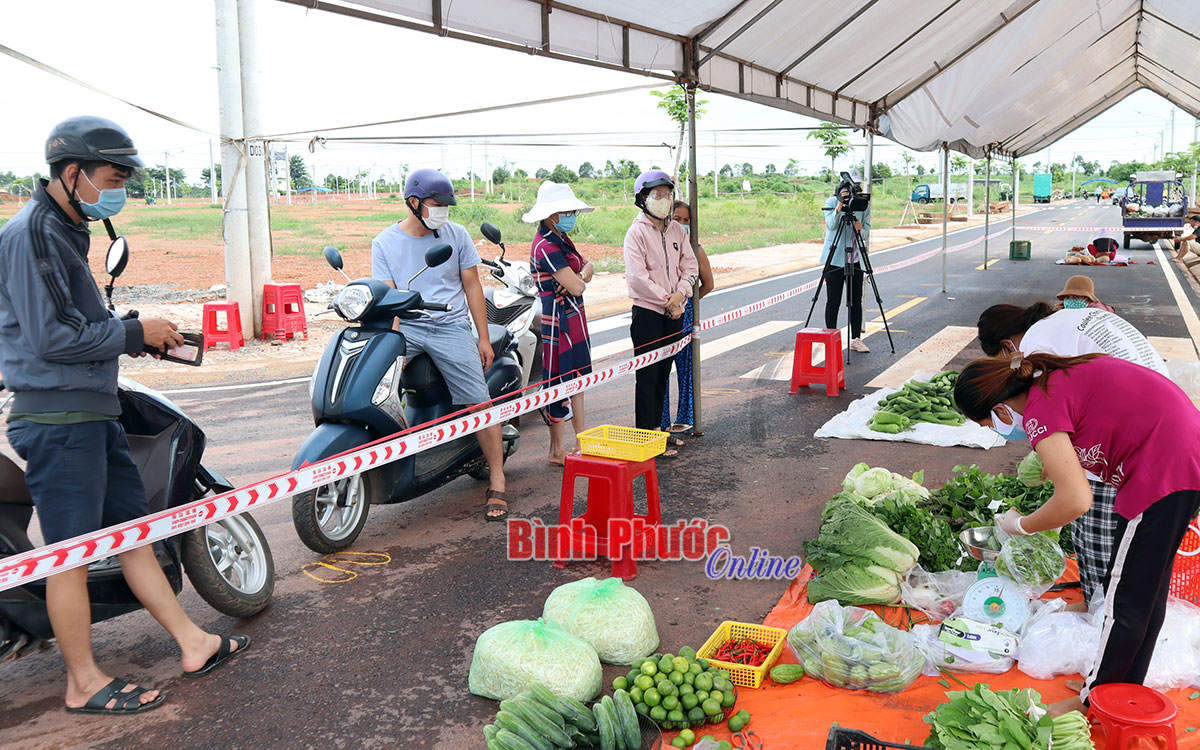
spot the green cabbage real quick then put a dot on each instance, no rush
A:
(856, 582)
(853, 474)
(1029, 471)
(848, 529)
(873, 482)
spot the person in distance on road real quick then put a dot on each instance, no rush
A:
(660, 270)
(835, 280)
(59, 351)
(562, 275)
(397, 254)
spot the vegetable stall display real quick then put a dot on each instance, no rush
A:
(983, 719)
(929, 401)
(858, 558)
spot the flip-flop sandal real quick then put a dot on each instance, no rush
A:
(669, 453)
(679, 427)
(223, 654)
(674, 441)
(496, 500)
(126, 700)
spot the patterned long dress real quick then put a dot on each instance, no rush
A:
(566, 349)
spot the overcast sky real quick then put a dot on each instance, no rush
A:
(321, 70)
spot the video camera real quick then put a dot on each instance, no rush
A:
(859, 201)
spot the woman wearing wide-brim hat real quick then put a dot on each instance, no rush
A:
(562, 274)
(1080, 292)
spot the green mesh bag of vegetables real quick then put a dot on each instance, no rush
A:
(611, 616)
(513, 655)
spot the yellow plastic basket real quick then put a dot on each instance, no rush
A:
(623, 443)
(740, 674)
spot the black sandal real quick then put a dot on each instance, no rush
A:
(223, 654)
(496, 500)
(126, 700)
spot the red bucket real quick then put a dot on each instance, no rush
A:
(1185, 578)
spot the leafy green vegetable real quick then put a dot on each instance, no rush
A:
(873, 482)
(1033, 561)
(848, 529)
(964, 501)
(1029, 471)
(982, 719)
(854, 582)
(936, 541)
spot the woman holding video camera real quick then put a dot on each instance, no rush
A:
(847, 246)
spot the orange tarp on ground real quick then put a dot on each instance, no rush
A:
(799, 715)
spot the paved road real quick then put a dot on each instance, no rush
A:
(381, 660)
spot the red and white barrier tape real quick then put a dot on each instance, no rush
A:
(56, 558)
(1117, 230)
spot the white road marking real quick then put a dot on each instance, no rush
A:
(933, 354)
(1185, 305)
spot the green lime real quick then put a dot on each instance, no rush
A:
(638, 662)
(645, 681)
(681, 664)
(620, 683)
(670, 702)
(652, 697)
(688, 736)
(703, 682)
(696, 714)
(724, 745)
(665, 665)
(689, 701)
(695, 668)
(744, 714)
(723, 673)
(658, 713)
(701, 695)
(711, 707)
(729, 700)
(716, 695)
(675, 715)
(686, 689)
(649, 668)
(689, 679)
(708, 737)
(641, 708)
(635, 694)
(723, 684)
(632, 675)
(736, 724)
(687, 652)
(666, 687)
(679, 742)
(676, 678)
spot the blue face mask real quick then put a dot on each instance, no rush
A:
(565, 223)
(687, 228)
(111, 201)
(1074, 304)
(1014, 432)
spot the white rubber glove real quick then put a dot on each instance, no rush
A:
(1010, 522)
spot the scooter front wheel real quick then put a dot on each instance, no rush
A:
(230, 565)
(329, 518)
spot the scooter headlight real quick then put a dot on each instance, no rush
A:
(353, 301)
(527, 284)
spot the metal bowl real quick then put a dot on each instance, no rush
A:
(979, 541)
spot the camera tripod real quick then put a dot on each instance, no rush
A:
(847, 221)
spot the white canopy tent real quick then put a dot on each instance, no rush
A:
(987, 79)
(974, 75)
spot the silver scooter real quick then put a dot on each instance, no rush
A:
(516, 306)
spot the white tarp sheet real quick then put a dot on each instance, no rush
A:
(1012, 76)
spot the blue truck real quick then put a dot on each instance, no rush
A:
(1042, 186)
(1152, 207)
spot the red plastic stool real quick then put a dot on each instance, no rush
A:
(832, 373)
(609, 496)
(1127, 711)
(283, 311)
(231, 333)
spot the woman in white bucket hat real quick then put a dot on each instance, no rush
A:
(561, 274)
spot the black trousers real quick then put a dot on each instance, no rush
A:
(835, 283)
(1135, 589)
(649, 331)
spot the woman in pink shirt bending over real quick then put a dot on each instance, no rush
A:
(1149, 449)
(660, 270)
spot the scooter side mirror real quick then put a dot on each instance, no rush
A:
(333, 257)
(117, 258)
(491, 232)
(437, 255)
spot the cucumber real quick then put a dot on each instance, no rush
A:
(608, 733)
(506, 740)
(785, 673)
(546, 697)
(528, 709)
(529, 703)
(489, 736)
(618, 732)
(579, 714)
(628, 720)
(518, 726)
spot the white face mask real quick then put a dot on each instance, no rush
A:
(659, 208)
(438, 216)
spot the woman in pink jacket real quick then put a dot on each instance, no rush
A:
(660, 270)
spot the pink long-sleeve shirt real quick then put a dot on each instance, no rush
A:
(658, 263)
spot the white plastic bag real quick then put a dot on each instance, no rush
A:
(1034, 562)
(940, 655)
(510, 656)
(1058, 642)
(1186, 375)
(1176, 662)
(611, 616)
(850, 647)
(935, 594)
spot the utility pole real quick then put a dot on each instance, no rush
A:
(471, 158)
(1172, 130)
(487, 169)
(258, 212)
(167, 176)
(233, 185)
(716, 176)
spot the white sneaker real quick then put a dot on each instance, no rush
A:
(858, 346)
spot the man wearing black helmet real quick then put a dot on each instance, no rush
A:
(59, 348)
(397, 254)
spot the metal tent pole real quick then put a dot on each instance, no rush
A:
(694, 234)
(1016, 175)
(945, 206)
(987, 204)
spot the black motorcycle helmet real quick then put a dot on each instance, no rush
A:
(87, 138)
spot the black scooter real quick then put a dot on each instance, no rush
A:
(363, 390)
(228, 562)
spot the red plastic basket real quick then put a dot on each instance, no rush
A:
(1185, 578)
